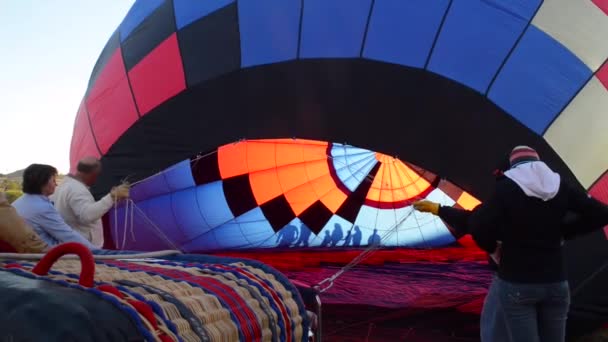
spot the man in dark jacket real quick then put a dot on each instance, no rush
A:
(529, 213)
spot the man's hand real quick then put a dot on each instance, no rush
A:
(427, 207)
(120, 192)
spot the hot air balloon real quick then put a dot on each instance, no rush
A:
(366, 87)
(271, 123)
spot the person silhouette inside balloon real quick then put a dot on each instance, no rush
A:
(348, 238)
(287, 236)
(326, 239)
(357, 236)
(336, 234)
(304, 236)
(374, 239)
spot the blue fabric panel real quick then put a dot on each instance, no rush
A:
(187, 213)
(352, 164)
(153, 186)
(160, 213)
(366, 222)
(333, 233)
(213, 205)
(333, 28)
(361, 168)
(437, 234)
(140, 10)
(255, 230)
(188, 11)
(203, 243)
(424, 230)
(249, 230)
(142, 237)
(440, 197)
(402, 32)
(269, 30)
(538, 80)
(477, 37)
(179, 176)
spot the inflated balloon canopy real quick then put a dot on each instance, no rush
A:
(286, 193)
(448, 85)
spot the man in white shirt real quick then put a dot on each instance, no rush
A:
(74, 201)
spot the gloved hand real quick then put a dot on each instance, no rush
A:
(120, 192)
(427, 207)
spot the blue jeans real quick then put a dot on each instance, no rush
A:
(534, 312)
(493, 327)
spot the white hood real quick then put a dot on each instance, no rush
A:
(536, 179)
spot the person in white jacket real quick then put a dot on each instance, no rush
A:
(74, 201)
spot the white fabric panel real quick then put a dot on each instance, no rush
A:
(579, 25)
(580, 133)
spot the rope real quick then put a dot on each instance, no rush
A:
(328, 282)
(358, 259)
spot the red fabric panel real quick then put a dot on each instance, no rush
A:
(159, 76)
(599, 190)
(83, 143)
(602, 4)
(602, 74)
(110, 103)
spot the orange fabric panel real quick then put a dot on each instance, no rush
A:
(315, 152)
(301, 197)
(386, 183)
(294, 141)
(323, 185)
(231, 159)
(316, 169)
(265, 185)
(374, 193)
(292, 176)
(289, 154)
(260, 155)
(395, 181)
(467, 201)
(333, 199)
(415, 183)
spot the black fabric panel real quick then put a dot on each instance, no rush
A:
(350, 208)
(111, 47)
(587, 266)
(417, 116)
(278, 212)
(37, 310)
(211, 46)
(151, 32)
(239, 195)
(316, 217)
(206, 170)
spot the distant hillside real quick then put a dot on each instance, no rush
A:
(15, 174)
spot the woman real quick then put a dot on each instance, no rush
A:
(531, 212)
(35, 207)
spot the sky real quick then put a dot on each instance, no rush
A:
(47, 52)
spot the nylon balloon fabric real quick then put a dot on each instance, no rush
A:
(316, 123)
(285, 193)
(448, 85)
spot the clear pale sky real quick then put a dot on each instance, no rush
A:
(47, 51)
